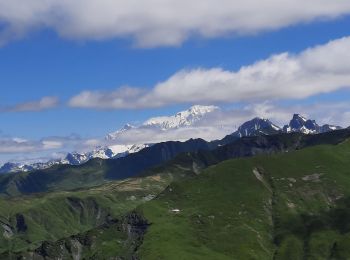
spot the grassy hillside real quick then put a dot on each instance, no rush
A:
(26, 221)
(291, 205)
(286, 206)
(115, 239)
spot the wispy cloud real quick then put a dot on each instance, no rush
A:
(159, 22)
(321, 69)
(15, 145)
(38, 105)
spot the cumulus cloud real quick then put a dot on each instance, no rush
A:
(38, 105)
(320, 69)
(159, 22)
(120, 98)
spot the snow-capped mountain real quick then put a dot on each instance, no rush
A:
(307, 126)
(261, 126)
(257, 126)
(14, 167)
(115, 151)
(327, 128)
(79, 158)
(10, 167)
(114, 135)
(182, 119)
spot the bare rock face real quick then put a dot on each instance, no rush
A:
(257, 126)
(21, 225)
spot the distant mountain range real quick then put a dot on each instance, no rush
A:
(115, 151)
(188, 118)
(193, 154)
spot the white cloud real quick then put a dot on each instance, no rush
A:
(48, 144)
(144, 135)
(221, 122)
(214, 125)
(39, 105)
(320, 69)
(19, 145)
(13, 145)
(159, 22)
(120, 98)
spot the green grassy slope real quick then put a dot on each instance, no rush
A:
(286, 206)
(56, 178)
(115, 239)
(28, 220)
(291, 205)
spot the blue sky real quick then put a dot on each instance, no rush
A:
(49, 62)
(43, 64)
